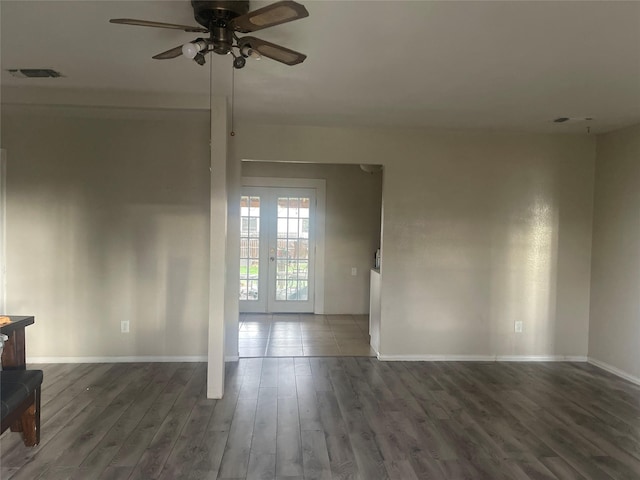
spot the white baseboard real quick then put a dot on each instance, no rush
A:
(481, 358)
(436, 358)
(616, 371)
(142, 359)
(575, 358)
(540, 358)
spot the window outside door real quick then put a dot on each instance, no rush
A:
(277, 249)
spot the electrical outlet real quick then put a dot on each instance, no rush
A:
(518, 326)
(354, 271)
(124, 326)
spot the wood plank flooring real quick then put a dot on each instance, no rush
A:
(303, 335)
(332, 418)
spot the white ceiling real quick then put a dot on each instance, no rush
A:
(511, 65)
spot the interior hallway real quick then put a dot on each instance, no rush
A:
(303, 335)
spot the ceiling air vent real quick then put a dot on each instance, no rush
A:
(34, 73)
(571, 119)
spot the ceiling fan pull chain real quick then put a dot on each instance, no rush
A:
(233, 100)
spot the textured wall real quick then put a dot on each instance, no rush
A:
(482, 233)
(479, 230)
(108, 220)
(615, 311)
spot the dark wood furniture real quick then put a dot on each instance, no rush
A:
(14, 354)
(19, 387)
(20, 403)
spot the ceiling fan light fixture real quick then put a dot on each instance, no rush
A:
(191, 49)
(239, 62)
(246, 51)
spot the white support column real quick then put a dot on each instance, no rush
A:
(220, 93)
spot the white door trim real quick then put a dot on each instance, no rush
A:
(319, 185)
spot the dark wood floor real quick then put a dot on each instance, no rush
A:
(333, 418)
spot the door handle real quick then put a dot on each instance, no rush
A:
(271, 259)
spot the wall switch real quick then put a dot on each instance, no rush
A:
(124, 326)
(354, 271)
(518, 327)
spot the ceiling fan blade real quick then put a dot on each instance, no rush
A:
(274, 14)
(173, 53)
(273, 51)
(147, 23)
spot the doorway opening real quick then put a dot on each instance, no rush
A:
(308, 237)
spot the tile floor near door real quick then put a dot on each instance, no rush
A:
(303, 335)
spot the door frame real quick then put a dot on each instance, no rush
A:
(319, 185)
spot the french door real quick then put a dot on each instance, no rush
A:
(277, 249)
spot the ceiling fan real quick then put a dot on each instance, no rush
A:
(221, 20)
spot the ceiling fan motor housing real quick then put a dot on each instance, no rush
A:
(210, 13)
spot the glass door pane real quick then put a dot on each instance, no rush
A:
(276, 249)
(292, 277)
(292, 259)
(252, 295)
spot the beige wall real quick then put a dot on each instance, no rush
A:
(484, 232)
(615, 311)
(108, 220)
(480, 230)
(352, 227)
